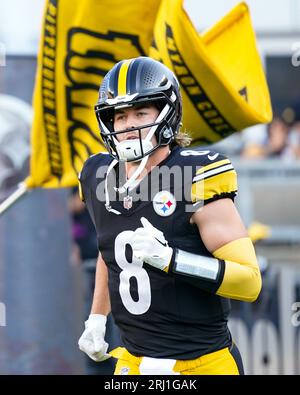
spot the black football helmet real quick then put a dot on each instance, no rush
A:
(135, 81)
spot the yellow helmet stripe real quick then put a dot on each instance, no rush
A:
(123, 77)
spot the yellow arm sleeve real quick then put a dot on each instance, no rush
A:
(242, 279)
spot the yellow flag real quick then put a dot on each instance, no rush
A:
(220, 72)
(81, 41)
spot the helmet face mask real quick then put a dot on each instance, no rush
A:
(145, 81)
(160, 128)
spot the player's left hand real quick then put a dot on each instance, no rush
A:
(150, 246)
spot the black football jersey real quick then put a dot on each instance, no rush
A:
(160, 315)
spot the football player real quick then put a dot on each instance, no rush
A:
(172, 253)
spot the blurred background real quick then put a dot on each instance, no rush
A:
(47, 255)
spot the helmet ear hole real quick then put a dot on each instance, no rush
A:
(167, 133)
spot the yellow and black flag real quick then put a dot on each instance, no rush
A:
(80, 42)
(220, 72)
(221, 76)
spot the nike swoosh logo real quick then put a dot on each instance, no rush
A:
(163, 244)
(212, 157)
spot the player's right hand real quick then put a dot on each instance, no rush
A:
(92, 340)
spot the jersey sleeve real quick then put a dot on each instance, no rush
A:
(85, 185)
(84, 177)
(215, 179)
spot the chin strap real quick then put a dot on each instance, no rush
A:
(143, 163)
(107, 202)
(125, 186)
(132, 180)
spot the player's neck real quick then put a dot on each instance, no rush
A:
(154, 159)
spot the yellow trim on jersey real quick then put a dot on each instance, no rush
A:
(218, 362)
(123, 77)
(80, 191)
(242, 279)
(217, 184)
(213, 166)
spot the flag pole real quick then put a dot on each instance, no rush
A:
(21, 191)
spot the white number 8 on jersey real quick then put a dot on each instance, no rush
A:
(129, 270)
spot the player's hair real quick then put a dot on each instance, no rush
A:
(183, 139)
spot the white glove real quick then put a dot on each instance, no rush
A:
(92, 340)
(150, 246)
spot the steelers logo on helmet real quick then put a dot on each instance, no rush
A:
(164, 203)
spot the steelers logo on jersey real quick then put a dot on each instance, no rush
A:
(164, 203)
